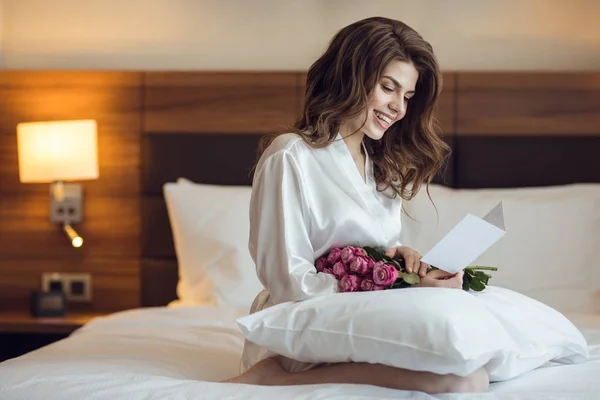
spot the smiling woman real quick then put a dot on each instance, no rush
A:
(378, 66)
(387, 105)
(388, 101)
(365, 141)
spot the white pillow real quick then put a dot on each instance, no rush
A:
(425, 329)
(210, 225)
(541, 333)
(549, 252)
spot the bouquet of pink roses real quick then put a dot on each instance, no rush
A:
(363, 269)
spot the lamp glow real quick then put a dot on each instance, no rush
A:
(57, 151)
(76, 240)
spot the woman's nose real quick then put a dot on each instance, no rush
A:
(399, 109)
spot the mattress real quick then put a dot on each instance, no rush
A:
(183, 353)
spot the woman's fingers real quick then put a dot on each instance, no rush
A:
(409, 263)
(443, 279)
(439, 274)
(412, 259)
(458, 279)
(455, 282)
(423, 269)
(417, 263)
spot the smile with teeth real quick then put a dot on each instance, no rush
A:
(382, 117)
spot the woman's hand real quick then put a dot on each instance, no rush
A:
(439, 278)
(435, 278)
(412, 259)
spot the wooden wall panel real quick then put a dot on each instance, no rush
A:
(520, 103)
(115, 105)
(159, 279)
(194, 102)
(110, 227)
(446, 108)
(115, 280)
(30, 244)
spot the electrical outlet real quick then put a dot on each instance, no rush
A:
(68, 209)
(75, 286)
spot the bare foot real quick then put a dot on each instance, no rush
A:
(264, 372)
(477, 382)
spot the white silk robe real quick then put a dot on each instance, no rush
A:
(304, 202)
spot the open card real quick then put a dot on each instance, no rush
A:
(467, 241)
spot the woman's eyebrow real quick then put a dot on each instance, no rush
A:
(396, 83)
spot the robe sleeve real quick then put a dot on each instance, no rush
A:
(279, 243)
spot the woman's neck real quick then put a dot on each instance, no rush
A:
(354, 142)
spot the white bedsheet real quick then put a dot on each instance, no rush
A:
(182, 353)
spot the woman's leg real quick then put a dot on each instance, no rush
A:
(269, 373)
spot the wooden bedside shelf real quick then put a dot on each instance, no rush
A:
(21, 333)
(23, 322)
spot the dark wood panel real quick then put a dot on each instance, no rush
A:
(207, 158)
(111, 227)
(446, 175)
(113, 100)
(115, 281)
(526, 80)
(528, 104)
(508, 161)
(446, 107)
(157, 236)
(219, 102)
(159, 282)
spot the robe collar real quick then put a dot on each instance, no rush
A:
(362, 191)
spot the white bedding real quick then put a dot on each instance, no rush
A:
(182, 353)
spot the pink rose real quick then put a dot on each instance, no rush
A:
(334, 256)
(359, 265)
(377, 264)
(347, 254)
(349, 283)
(367, 285)
(321, 264)
(339, 269)
(370, 264)
(359, 252)
(384, 274)
(328, 270)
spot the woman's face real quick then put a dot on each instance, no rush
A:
(389, 99)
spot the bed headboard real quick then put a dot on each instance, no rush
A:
(216, 159)
(505, 130)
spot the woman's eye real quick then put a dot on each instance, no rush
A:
(387, 88)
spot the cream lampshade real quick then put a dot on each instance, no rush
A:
(57, 151)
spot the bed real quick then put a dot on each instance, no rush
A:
(169, 348)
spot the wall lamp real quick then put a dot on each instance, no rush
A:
(58, 151)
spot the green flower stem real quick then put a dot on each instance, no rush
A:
(482, 268)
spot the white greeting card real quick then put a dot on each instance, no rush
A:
(467, 241)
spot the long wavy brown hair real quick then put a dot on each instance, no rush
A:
(338, 87)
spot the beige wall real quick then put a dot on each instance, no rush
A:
(1, 30)
(290, 34)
